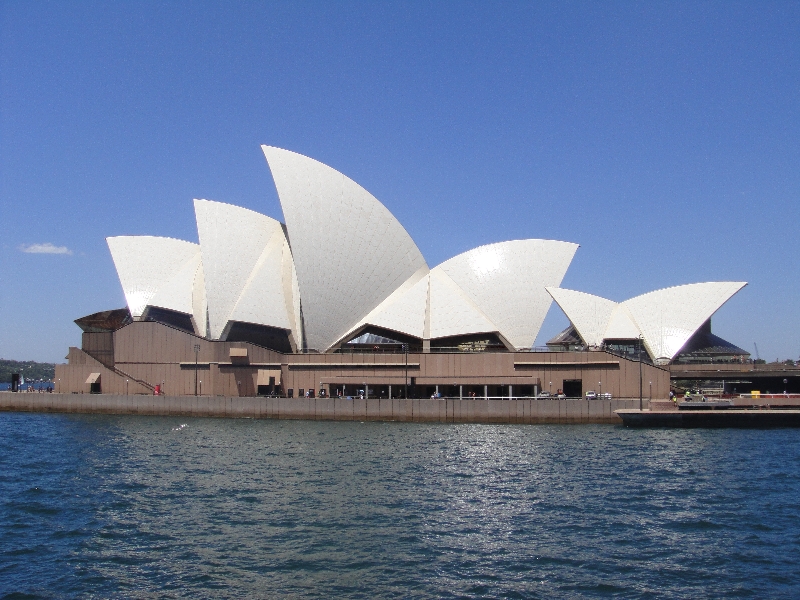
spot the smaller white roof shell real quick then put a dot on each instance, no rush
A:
(244, 268)
(147, 264)
(404, 310)
(452, 312)
(665, 319)
(621, 325)
(178, 293)
(507, 281)
(668, 318)
(589, 314)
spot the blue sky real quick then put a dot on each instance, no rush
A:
(661, 137)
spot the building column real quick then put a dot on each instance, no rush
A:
(486, 392)
(390, 392)
(461, 392)
(510, 392)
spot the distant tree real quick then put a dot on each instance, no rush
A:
(30, 370)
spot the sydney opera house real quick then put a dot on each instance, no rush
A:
(337, 300)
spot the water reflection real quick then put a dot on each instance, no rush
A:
(210, 508)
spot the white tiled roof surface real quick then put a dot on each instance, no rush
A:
(451, 310)
(199, 302)
(621, 326)
(507, 282)
(589, 314)
(404, 310)
(177, 293)
(263, 298)
(349, 251)
(242, 266)
(668, 318)
(146, 263)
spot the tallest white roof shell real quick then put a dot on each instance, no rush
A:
(349, 251)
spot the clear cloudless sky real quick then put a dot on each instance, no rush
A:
(663, 137)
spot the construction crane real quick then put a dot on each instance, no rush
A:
(758, 357)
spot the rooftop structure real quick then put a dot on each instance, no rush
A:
(343, 274)
(338, 301)
(296, 287)
(668, 322)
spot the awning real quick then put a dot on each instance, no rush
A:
(265, 374)
(238, 353)
(93, 378)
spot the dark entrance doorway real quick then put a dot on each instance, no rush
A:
(573, 388)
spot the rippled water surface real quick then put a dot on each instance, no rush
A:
(205, 508)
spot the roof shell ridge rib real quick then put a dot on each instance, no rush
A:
(145, 263)
(520, 269)
(589, 314)
(339, 284)
(232, 239)
(670, 316)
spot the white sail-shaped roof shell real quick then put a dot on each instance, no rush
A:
(621, 325)
(452, 312)
(244, 268)
(507, 282)
(404, 310)
(589, 314)
(349, 251)
(178, 293)
(668, 318)
(665, 319)
(146, 264)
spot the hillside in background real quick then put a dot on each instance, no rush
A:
(30, 370)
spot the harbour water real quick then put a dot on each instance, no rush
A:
(127, 506)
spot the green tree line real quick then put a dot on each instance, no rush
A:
(30, 370)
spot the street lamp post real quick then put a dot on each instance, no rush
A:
(196, 350)
(405, 350)
(201, 388)
(600, 385)
(640, 373)
(126, 387)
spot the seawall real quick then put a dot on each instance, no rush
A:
(442, 410)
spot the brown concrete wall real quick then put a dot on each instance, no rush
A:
(72, 377)
(524, 411)
(153, 353)
(100, 346)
